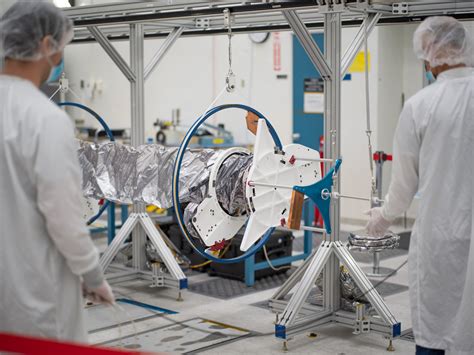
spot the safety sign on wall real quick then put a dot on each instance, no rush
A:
(313, 95)
(358, 65)
(276, 52)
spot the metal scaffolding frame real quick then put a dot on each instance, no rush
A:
(331, 253)
(139, 223)
(137, 21)
(200, 18)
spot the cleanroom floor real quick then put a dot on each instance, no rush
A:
(251, 327)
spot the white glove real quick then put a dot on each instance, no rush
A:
(377, 225)
(101, 294)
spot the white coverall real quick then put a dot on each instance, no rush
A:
(434, 155)
(45, 244)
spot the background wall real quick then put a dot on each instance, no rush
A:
(4, 5)
(190, 77)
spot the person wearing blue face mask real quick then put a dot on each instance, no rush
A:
(433, 155)
(47, 258)
(38, 62)
(429, 75)
(56, 72)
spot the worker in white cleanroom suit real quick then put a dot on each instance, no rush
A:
(46, 251)
(434, 155)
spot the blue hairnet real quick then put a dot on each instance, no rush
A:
(25, 24)
(443, 40)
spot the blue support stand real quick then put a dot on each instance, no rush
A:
(250, 271)
(110, 222)
(124, 213)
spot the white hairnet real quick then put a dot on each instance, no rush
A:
(443, 40)
(25, 24)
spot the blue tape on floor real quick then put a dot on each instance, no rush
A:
(147, 306)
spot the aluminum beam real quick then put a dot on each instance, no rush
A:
(278, 306)
(332, 119)
(313, 23)
(137, 87)
(358, 41)
(364, 284)
(112, 52)
(161, 247)
(315, 267)
(113, 14)
(137, 94)
(159, 55)
(160, 18)
(308, 43)
(332, 42)
(433, 7)
(135, 224)
(309, 323)
(140, 13)
(348, 319)
(118, 241)
(293, 280)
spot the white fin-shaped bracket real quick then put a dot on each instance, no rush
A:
(270, 182)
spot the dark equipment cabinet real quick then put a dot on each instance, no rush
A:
(279, 245)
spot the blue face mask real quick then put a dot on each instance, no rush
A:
(56, 72)
(430, 77)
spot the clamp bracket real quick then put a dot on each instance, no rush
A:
(318, 193)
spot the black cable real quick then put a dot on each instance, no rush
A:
(382, 281)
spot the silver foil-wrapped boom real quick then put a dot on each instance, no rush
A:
(127, 175)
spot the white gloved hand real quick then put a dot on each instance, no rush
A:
(377, 225)
(101, 294)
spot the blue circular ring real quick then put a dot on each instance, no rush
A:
(177, 169)
(93, 113)
(111, 137)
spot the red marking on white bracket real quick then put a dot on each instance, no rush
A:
(218, 245)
